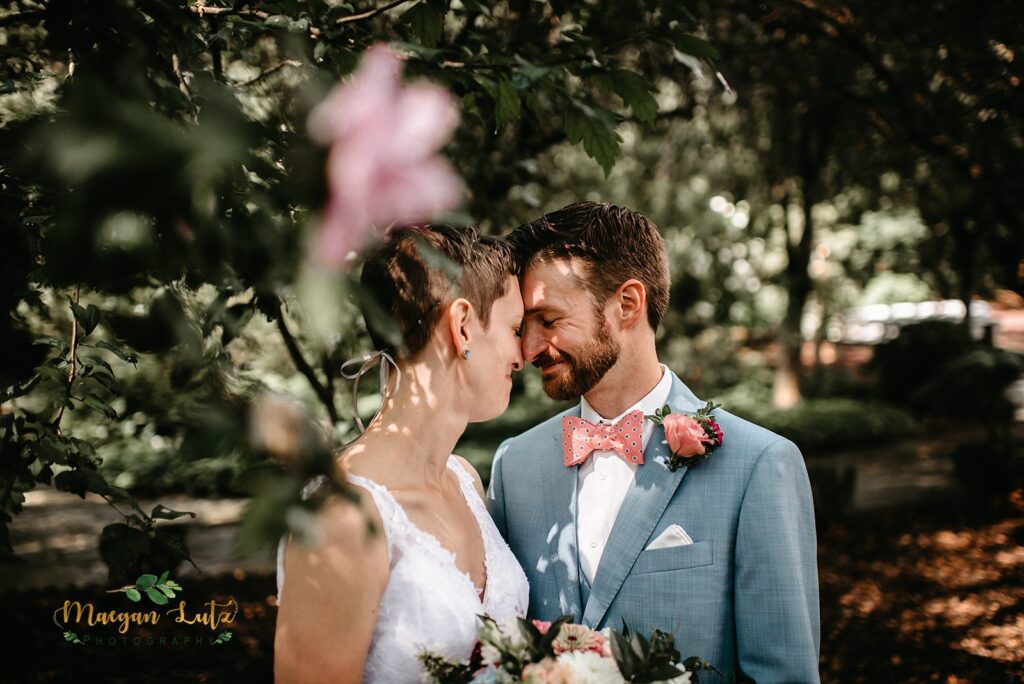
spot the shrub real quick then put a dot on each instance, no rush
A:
(818, 424)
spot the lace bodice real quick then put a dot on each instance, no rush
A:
(428, 603)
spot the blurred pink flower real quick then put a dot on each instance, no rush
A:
(383, 167)
(548, 671)
(685, 436)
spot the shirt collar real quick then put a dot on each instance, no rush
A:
(654, 400)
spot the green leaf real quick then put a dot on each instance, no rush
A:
(133, 594)
(88, 318)
(163, 576)
(282, 21)
(595, 128)
(692, 45)
(507, 107)
(426, 21)
(533, 72)
(92, 358)
(145, 581)
(127, 357)
(107, 381)
(121, 546)
(95, 402)
(73, 481)
(163, 513)
(168, 592)
(155, 596)
(624, 656)
(635, 91)
(171, 540)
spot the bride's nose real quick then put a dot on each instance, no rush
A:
(517, 363)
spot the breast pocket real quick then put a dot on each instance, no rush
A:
(684, 557)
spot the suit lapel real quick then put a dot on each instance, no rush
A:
(562, 558)
(645, 502)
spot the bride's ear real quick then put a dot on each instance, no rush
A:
(460, 313)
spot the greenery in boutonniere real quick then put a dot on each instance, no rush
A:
(691, 437)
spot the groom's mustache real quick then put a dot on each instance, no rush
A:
(546, 359)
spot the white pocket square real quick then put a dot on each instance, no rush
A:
(673, 535)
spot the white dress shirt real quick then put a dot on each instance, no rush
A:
(604, 479)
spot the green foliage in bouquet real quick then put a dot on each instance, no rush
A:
(654, 659)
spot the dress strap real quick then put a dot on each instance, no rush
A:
(468, 484)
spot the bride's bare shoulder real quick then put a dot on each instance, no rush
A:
(366, 461)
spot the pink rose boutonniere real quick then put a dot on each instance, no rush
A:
(691, 437)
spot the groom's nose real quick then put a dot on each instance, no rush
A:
(533, 341)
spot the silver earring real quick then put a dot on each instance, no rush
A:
(465, 355)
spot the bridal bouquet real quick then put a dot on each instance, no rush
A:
(548, 652)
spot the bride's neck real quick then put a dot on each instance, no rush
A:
(419, 425)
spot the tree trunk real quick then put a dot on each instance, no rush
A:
(786, 390)
(966, 246)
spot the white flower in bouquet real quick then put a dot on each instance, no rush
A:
(681, 679)
(591, 667)
(550, 671)
(493, 675)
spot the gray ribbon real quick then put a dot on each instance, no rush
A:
(367, 361)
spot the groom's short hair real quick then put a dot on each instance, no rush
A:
(613, 243)
(417, 270)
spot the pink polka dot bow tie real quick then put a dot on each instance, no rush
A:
(580, 438)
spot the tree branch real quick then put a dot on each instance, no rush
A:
(322, 392)
(203, 10)
(371, 13)
(74, 363)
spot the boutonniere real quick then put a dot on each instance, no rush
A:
(691, 437)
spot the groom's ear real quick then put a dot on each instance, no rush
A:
(631, 303)
(460, 312)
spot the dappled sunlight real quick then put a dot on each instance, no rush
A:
(1002, 642)
(918, 597)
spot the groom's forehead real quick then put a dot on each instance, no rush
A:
(552, 284)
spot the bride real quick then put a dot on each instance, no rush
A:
(362, 604)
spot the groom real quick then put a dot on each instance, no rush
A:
(720, 554)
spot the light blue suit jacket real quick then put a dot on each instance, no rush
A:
(743, 596)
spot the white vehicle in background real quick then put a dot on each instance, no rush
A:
(877, 323)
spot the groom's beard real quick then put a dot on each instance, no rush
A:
(582, 370)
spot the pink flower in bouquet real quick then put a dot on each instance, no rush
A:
(548, 671)
(383, 167)
(542, 626)
(573, 637)
(685, 435)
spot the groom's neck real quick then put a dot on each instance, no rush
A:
(633, 376)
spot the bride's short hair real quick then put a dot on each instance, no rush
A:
(417, 270)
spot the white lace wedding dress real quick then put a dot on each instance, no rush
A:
(428, 603)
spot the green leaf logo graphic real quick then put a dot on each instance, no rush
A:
(157, 589)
